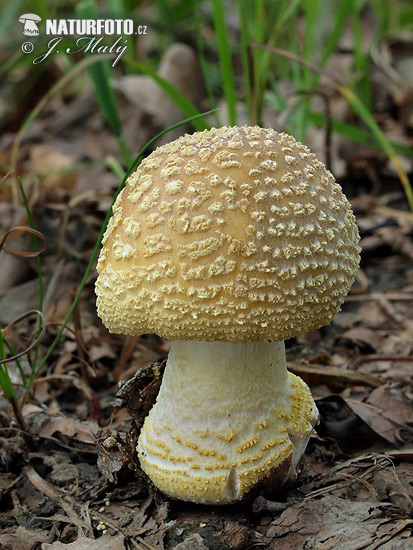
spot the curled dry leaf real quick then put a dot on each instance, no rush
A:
(110, 460)
(138, 394)
(9, 235)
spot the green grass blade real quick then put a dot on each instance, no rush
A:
(364, 113)
(6, 385)
(357, 135)
(188, 109)
(344, 11)
(5, 382)
(105, 96)
(100, 76)
(361, 61)
(204, 63)
(114, 165)
(225, 59)
(13, 60)
(245, 40)
(35, 244)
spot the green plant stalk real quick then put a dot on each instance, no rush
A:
(96, 248)
(38, 267)
(300, 115)
(358, 135)
(13, 59)
(311, 18)
(113, 164)
(100, 75)
(105, 96)
(243, 15)
(225, 59)
(364, 114)
(204, 64)
(361, 61)
(259, 60)
(35, 244)
(344, 10)
(8, 390)
(127, 155)
(288, 10)
(359, 107)
(5, 382)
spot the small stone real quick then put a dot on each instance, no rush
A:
(193, 542)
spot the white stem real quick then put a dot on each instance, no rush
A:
(226, 415)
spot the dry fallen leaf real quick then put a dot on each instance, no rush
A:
(80, 430)
(138, 394)
(341, 425)
(23, 539)
(53, 162)
(363, 337)
(107, 542)
(111, 459)
(333, 377)
(333, 523)
(393, 403)
(375, 418)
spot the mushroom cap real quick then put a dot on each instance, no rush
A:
(30, 17)
(231, 234)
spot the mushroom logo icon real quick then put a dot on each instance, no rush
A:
(30, 21)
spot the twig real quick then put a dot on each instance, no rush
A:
(58, 496)
(140, 539)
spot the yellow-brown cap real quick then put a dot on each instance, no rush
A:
(232, 234)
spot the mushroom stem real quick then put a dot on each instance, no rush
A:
(226, 416)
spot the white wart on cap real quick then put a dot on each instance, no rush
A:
(233, 235)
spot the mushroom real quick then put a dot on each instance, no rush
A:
(30, 25)
(227, 242)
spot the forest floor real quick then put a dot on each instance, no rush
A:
(78, 485)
